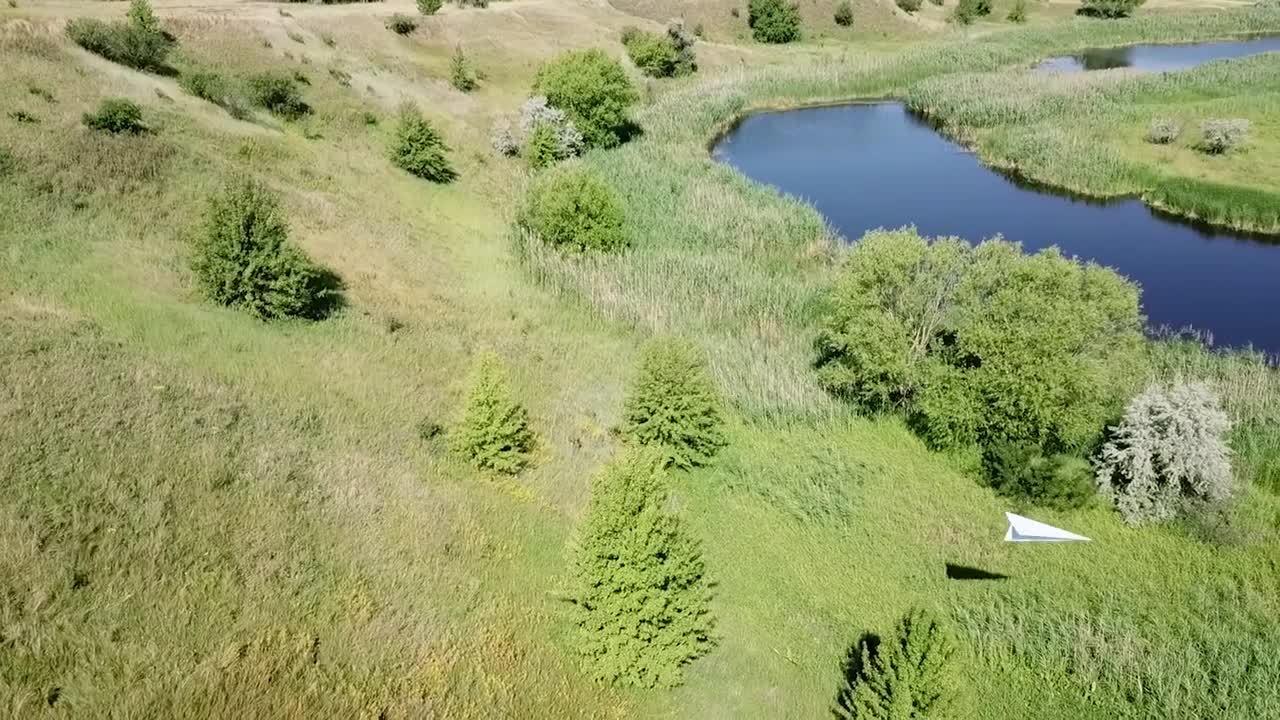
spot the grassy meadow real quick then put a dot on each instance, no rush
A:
(207, 515)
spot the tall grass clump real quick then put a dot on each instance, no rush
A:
(573, 208)
(419, 149)
(1169, 454)
(138, 42)
(908, 675)
(116, 115)
(402, 24)
(773, 21)
(1018, 13)
(674, 407)
(430, 7)
(639, 583)
(594, 92)
(493, 431)
(244, 259)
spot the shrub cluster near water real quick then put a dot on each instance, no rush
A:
(594, 92)
(575, 209)
(668, 55)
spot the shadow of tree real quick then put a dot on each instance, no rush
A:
(853, 671)
(964, 572)
(327, 297)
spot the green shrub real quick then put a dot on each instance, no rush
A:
(116, 115)
(908, 675)
(673, 406)
(909, 6)
(419, 149)
(1163, 132)
(8, 163)
(493, 432)
(969, 10)
(1023, 472)
(278, 94)
(402, 24)
(844, 13)
(430, 7)
(640, 586)
(593, 90)
(1169, 454)
(1109, 8)
(204, 84)
(139, 42)
(773, 21)
(660, 56)
(243, 258)
(981, 345)
(1018, 13)
(1222, 136)
(543, 148)
(573, 208)
(462, 74)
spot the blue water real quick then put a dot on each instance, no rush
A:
(1160, 58)
(874, 165)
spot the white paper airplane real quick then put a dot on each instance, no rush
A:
(1027, 530)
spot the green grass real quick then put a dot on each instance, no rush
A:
(214, 516)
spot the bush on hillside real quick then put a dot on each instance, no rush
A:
(243, 258)
(278, 94)
(1163, 132)
(909, 6)
(573, 208)
(1109, 8)
(1018, 13)
(493, 431)
(668, 55)
(639, 584)
(138, 42)
(981, 345)
(1168, 454)
(594, 92)
(543, 149)
(419, 149)
(402, 24)
(514, 138)
(1222, 136)
(462, 73)
(773, 21)
(844, 13)
(674, 407)
(8, 163)
(969, 10)
(430, 7)
(1024, 472)
(116, 115)
(908, 675)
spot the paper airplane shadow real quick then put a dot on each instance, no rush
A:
(964, 572)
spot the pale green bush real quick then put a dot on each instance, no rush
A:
(673, 405)
(593, 90)
(573, 208)
(1163, 132)
(493, 431)
(1222, 136)
(906, 676)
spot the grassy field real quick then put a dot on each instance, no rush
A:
(206, 515)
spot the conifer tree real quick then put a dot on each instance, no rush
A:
(907, 677)
(674, 406)
(640, 584)
(493, 432)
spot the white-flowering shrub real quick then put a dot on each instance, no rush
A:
(1169, 452)
(1163, 132)
(510, 136)
(1222, 136)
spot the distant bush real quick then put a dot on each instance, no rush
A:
(909, 5)
(462, 73)
(278, 94)
(844, 13)
(419, 149)
(1018, 13)
(773, 21)
(402, 24)
(513, 138)
(1163, 132)
(573, 208)
(593, 90)
(430, 7)
(981, 345)
(204, 84)
(116, 115)
(1023, 472)
(1109, 8)
(139, 42)
(656, 55)
(673, 406)
(969, 10)
(493, 432)
(1168, 454)
(8, 163)
(1222, 136)
(244, 259)
(639, 583)
(907, 675)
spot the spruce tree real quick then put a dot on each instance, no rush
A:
(907, 677)
(674, 406)
(493, 432)
(419, 149)
(640, 584)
